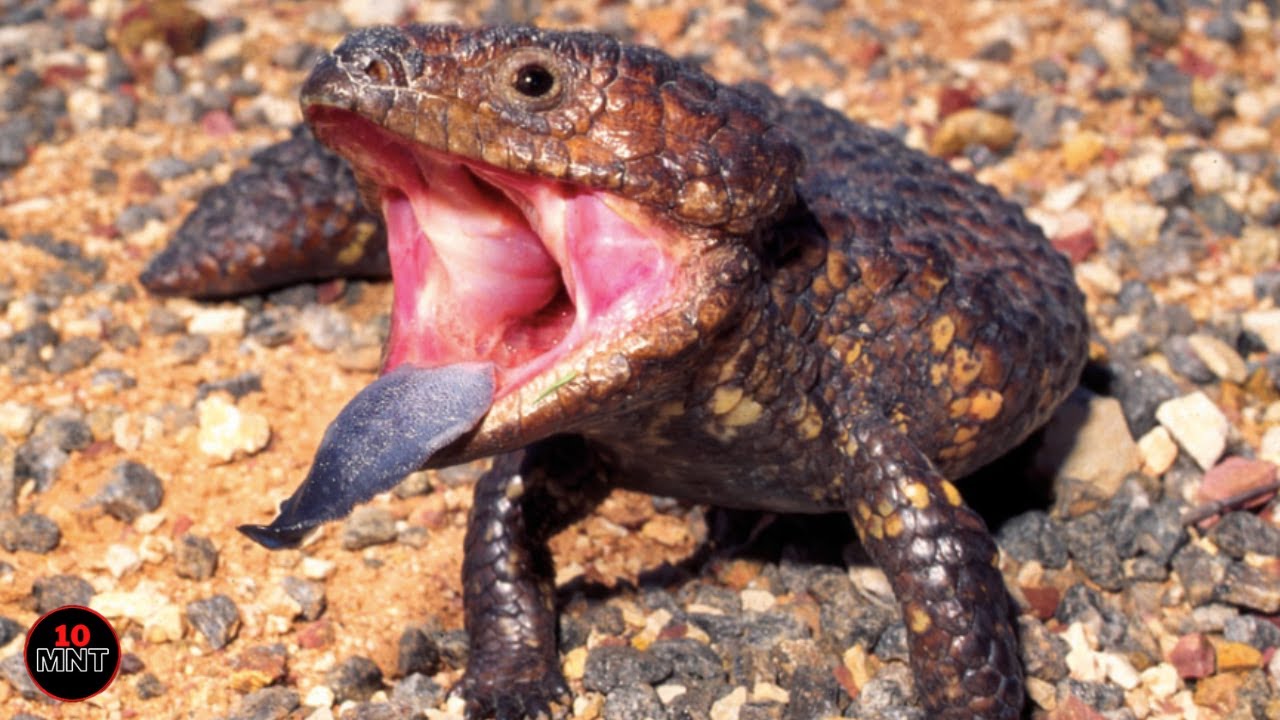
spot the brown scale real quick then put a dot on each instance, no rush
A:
(859, 323)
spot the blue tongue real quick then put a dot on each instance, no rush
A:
(386, 432)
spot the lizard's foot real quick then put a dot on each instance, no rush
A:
(491, 694)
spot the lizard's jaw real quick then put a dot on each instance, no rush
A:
(530, 274)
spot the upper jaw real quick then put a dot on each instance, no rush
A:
(563, 288)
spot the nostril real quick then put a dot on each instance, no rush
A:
(377, 71)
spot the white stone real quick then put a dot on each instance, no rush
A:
(362, 13)
(1099, 276)
(319, 696)
(17, 419)
(1158, 451)
(164, 625)
(1100, 452)
(219, 321)
(155, 548)
(314, 568)
(1119, 670)
(1211, 172)
(1161, 680)
(768, 692)
(1061, 199)
(1269, 448)
(1221, 359)
(1114, 42)
(1082, 660)
(225, 432)
(1197, 425)
(729, 706)
(125, 432)
(1136, 223)
(1244, 139)
(121, 560)
(754, 600)
(667, 692)
(1266, 325)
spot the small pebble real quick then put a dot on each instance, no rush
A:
(1220, 358)
(355, 678)
(58, 590)
(1222, 26)
(1197, 425)
(195, 557)
(1034, 536)
(121, 560)
(17, 419)
(217, 618)
(1211, 172)
(132, 491)
(1218, 215)
(1093, 457)
(237, 387)
(1251, 588)
(1234, 476)
(417, 653)
(419, 692)
(226, 433)
(189, 348)
(269, 703)
(1266, 325)
(39, 459)
(163, 321)
(218, 321)
(309, 596)
(1170, 188)
(971, 126)
(319, 696)
(66, 429)
(29, 532)
(1158, 451)
(613, 666)
(368, 526)
(148, 687)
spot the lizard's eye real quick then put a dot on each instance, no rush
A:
(533, 80)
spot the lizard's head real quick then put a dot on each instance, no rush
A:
(577, 212)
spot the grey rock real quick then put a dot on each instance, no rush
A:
(132, 491)
(29, 532)
(368, 526)
(355, 678)
(217, 618)
(634, 702)
(58, 590)
(269, 703)
(195, 557)
(417, 652)
(613, 666)
(309, 595)
(1034, 536)
(1241, 532)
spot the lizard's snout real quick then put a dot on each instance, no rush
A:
(377, 56)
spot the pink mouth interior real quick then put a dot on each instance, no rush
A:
(494, 266)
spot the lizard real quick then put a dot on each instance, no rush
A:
(638, 277)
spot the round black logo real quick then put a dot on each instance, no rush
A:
(72, 653)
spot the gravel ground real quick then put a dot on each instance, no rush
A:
(136, 433)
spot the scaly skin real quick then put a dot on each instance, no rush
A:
(854, 323)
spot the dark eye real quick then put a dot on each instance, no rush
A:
(534, 80)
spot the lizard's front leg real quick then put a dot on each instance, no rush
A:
(940, 560)
(513, 670)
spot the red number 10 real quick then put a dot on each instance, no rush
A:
(79, 636)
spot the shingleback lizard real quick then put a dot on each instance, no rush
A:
(695, 290)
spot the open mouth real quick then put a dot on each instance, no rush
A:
(490, 265)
